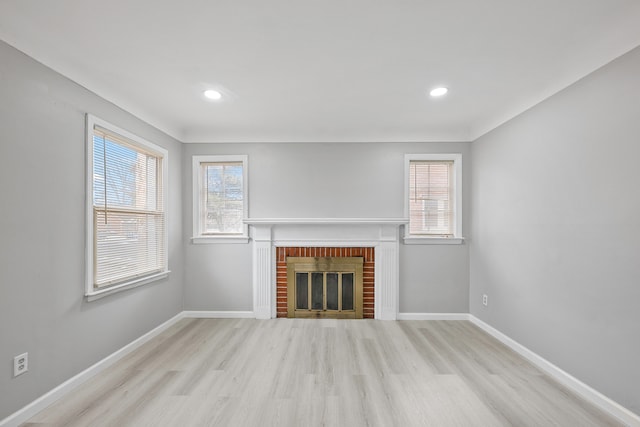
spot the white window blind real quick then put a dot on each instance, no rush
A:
(431, 198)
(129, 229)
(222, 198)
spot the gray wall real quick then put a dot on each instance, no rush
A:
(324, 180)
(556, 229)
(42, 196)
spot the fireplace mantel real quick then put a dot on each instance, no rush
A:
(381, 233)
(326, 221)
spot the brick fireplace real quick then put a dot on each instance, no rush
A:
(375, 239)
(368, 285)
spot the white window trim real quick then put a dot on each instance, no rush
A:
(90, 293)
(457, 239)
(198, 237)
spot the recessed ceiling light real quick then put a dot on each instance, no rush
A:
(439, 91)
(212, 94)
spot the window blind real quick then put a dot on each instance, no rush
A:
(128, 210)
(222, 198)
(431, 196)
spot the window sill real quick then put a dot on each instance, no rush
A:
(207, 240)
(412, 240)
(95, 295)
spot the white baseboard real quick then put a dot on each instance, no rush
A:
(50, 397)
(219, 314)
(594, 397)
(433, 316)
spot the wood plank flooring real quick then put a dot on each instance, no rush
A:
(307, 372)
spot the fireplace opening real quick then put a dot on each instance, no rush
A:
(325, 287)
(284, 253)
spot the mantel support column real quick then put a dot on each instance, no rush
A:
(262, 271)
(387, 276)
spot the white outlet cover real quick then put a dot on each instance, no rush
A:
(20, 364)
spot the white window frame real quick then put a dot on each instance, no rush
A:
(413, 239)
(90, 292)
(198, 236)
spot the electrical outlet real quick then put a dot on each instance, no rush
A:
(20, 364)
(485, 300)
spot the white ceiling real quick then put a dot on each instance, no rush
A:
(323, 70)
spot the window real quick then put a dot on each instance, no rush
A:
(220, 199)
(126, 210)
(433, 198)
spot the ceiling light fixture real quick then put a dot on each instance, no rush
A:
(439, 91)
(212, 94)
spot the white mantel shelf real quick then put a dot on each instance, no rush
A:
(328, 221)
(379, 233)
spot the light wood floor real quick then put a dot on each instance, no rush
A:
(303, 372)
